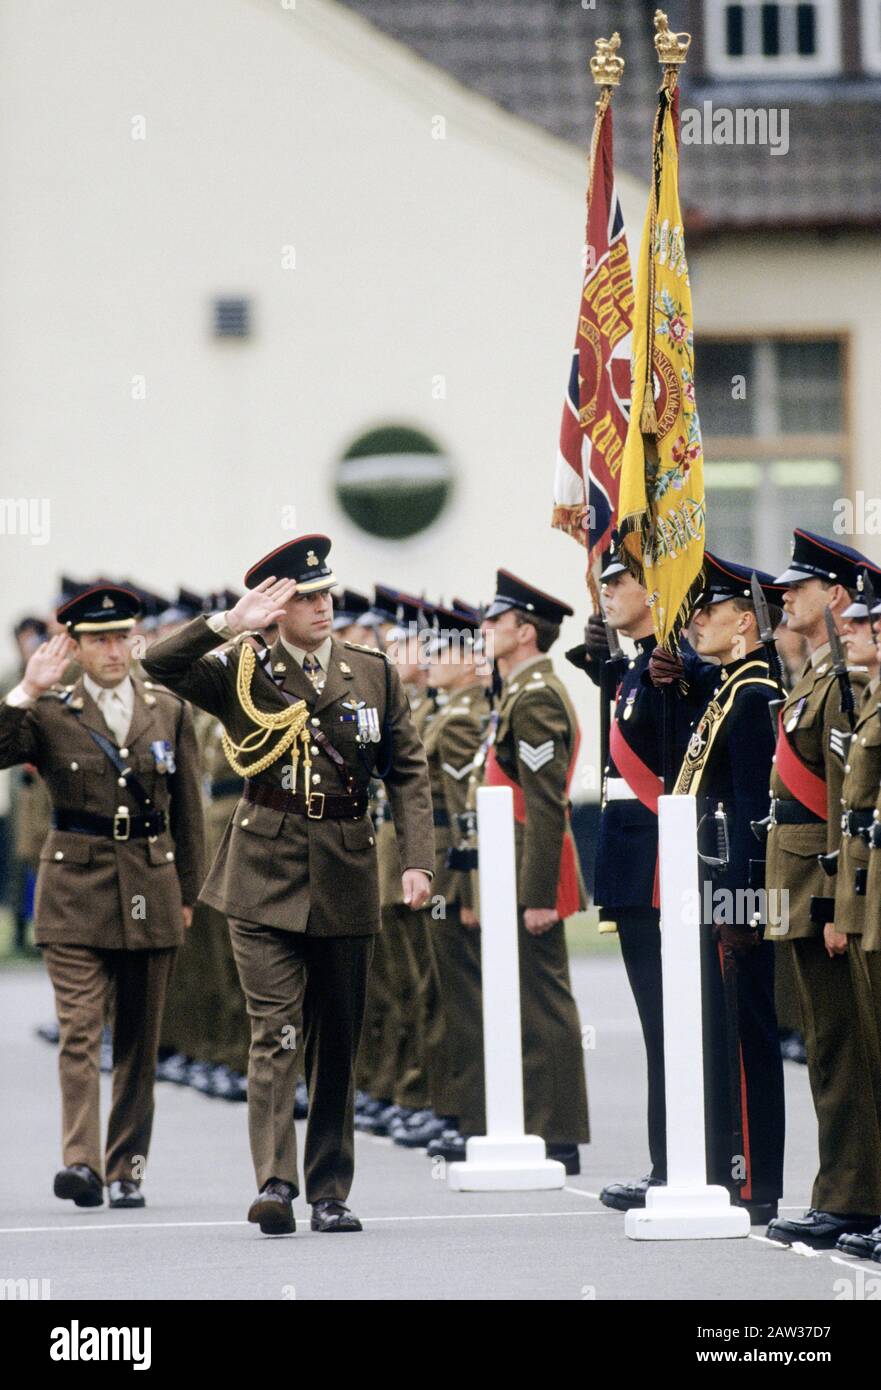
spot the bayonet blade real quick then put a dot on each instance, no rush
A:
(615, 652)
(835, 647)
(760, 604)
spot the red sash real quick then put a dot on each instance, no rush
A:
(568, 896)
(798, 779)
(645, 784)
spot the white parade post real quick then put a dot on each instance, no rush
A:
(504, 1159)
(687, 1208)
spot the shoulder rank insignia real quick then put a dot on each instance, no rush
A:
(535, 755)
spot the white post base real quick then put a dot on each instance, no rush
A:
(686, 1213)
(517, 1164)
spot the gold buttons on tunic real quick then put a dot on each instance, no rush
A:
(314, 749)
(59, 854)
(370, 841)
(316, 777)
(169, 854)
(123, 752)
(74, 767)
(245, 821)
(121, 781)
(316, 722)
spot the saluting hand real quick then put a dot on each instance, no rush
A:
(46, 665)
(262, 606)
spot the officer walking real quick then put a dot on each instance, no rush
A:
(308, 723)
(118, 875)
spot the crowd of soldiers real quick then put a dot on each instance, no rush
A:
(390, 711)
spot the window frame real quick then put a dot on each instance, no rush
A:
(870, 36)
(756, 448)
(825, 63)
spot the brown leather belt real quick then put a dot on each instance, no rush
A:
(315, 806)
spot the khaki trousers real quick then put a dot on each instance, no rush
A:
(83, 979)
(323, 979)
(865, 971)
(849, 1177)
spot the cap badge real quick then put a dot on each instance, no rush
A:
(311, 558)
(107, 601)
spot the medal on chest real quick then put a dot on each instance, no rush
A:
(628, 705)
(795, 716)
(163, 755)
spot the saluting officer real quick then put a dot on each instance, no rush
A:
(813, 740)
(309, 721)
(727, 766)
(534, 752)
(119, 873)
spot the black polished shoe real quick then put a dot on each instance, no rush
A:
(367, 1115)
(792, 1048)
(175, 1068)
(449, 1146)
(420, 1136)
(79, 1184)
(819, 1229)
(760, 1213)
(235, 1086)
(331, 1215)
(568, 1155)
(124, 1192)
(868, 1246)
(301, 1101)
(272, 1208)
(199, 1076)
(625, 1196)
(379, 1122)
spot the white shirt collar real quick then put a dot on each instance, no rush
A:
(321, 654)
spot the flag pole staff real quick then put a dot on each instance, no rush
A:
(606, 69)
(672, 50)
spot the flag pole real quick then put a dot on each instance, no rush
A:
(606, 69)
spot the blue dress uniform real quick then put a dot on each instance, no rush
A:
(625, 880)
(727, 767)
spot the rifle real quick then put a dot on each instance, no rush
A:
(839, 665)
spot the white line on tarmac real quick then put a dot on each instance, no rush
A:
(366, 1220)
(582, 1192)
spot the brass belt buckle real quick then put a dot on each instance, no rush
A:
(315, 815)
(123, 830)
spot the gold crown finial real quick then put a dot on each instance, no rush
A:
(606, 66)
(672, 49)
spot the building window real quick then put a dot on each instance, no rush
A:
(776, 441)
(870, 34)
(752, 39)
(394, 482)
(232, 318)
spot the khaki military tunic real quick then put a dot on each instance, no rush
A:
(849, 1139)
(109, 911)
(302, 893)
